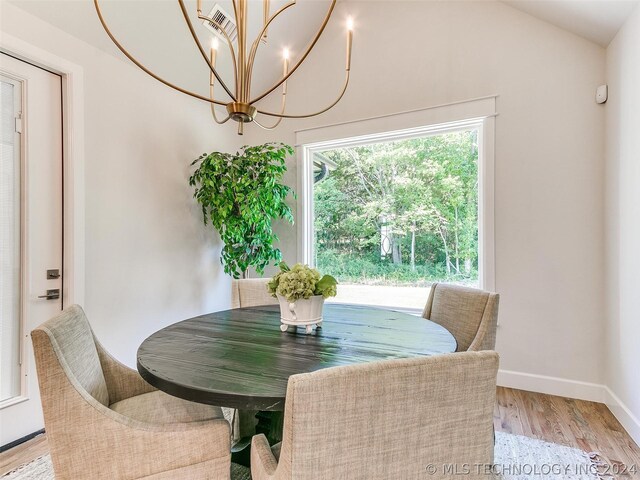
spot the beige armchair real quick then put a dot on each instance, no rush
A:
(471, 315)
(103, 421)
(385, 420)
(251, 292)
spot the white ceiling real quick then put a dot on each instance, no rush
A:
(595, 20)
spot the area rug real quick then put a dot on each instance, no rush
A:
(516, 458)
(524, 458)
(41, 469)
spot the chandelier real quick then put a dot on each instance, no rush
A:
(242, 106)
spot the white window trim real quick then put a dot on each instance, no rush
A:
(478, 113)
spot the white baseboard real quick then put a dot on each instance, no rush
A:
(563, 387)
(625, 416)
(552, 385)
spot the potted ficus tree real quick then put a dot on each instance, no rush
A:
(301, 291)
(241, 194)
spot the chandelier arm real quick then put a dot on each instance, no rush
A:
(241, 21)
(281, 115)
(213, 110)
(256, 43)
(235, 11)
(303, 58)
(229, 43)
(185, 14)
(282, 108)
(264, 127)
(145, 69)
(213, 114)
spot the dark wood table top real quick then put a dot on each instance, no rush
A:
(239, 358)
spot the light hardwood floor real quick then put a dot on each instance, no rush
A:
(575, 423)
(34, 448)
(588, 426)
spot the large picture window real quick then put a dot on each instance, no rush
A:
(390, 214)
(392, 218)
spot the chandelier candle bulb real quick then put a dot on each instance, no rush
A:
(350, 24)
(349, 41)
(285, 69)
(214, 51)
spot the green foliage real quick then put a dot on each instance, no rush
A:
(369, 270)
(301, 281)
(422, 190)
(327, 286)
(241, 194)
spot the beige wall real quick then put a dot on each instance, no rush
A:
(623, 223)
(149, 260)
(549, 153)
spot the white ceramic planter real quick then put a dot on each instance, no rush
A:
(305, 312)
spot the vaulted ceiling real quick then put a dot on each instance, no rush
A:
(595, 20)
(143, 27)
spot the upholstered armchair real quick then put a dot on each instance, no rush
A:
(471, 315)
(103, 421)
(385, 420)
(251, 292)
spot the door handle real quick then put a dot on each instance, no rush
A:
(53, 294)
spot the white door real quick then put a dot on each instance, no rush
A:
(30, 233)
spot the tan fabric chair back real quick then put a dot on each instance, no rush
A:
(471, 315)
(251, 292)
(73, 342)
(390, 419)
(88, 440)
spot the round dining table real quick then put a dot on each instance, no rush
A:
(241, 359)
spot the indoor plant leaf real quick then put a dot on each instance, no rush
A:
(241, 195)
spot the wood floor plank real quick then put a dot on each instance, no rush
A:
(588, 426)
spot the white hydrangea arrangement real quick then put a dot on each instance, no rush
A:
(301, 282)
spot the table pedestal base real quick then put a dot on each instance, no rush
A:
(270, 424)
